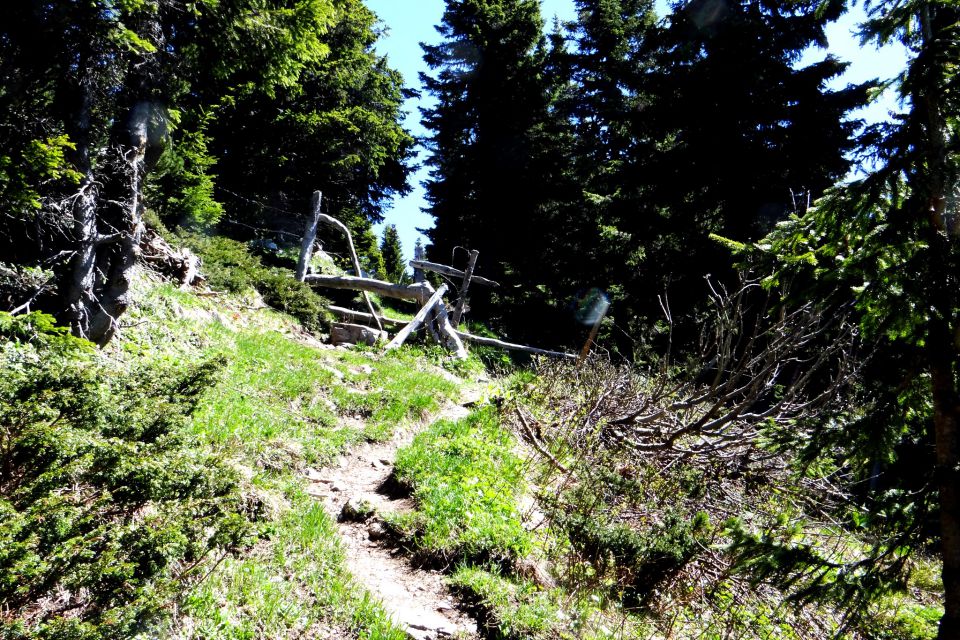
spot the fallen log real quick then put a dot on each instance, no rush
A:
(360, 316)
(450, 272)
(417, 319)
(493, 342)
(388, 289)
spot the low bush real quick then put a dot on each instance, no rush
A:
(230, 266)
(107, 506)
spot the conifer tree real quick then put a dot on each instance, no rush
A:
(890, 241)
(487, 78)
(744, 136)
(95, 89)
(395, 269)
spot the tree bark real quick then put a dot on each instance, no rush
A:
(310, 236)
(78, 289)
(946, 424)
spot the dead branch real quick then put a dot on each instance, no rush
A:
(450, 272)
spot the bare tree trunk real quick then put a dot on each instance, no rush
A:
(121, 248)
(78, 291)
(935, 182)
(946, 424)
(310, 236)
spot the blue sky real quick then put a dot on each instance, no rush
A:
(410, 22)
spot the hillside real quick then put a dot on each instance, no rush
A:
(239, 478)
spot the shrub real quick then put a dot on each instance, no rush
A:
(107, 506)
(229, 265)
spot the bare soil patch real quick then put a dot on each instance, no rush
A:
(417, 599)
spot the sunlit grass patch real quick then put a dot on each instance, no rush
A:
(466, 480)
(293, 584)
(387, 391)
(511, 608)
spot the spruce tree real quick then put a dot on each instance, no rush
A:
(395, 268)
(487, 79)
(744, 137)
(889, 243)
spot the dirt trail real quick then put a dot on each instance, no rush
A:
(417, 599)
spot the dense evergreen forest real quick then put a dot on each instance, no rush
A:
(778, 322)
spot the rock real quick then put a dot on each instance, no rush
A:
(356, 511)
(376, 532)
(363, 369)
(342, 333)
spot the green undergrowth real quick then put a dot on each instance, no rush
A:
(230, 266)
(109, 506)
(690, 546)
(282, 406)
(250, 554)
(469, 482)
(466, 480)
(511, 608)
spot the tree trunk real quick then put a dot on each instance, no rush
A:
(78, 288)
(309, 236)
(946, 424)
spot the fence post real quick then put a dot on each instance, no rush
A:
(462, 301)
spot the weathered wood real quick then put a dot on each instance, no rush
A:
(418, 275)
(450, 272)
(309, 236)
(464, 288)
(346, 333)
(417, 319)
(388, 289)
(181, 264)
(356, 261)
(360, 316)
(493, 342)
(450, 338)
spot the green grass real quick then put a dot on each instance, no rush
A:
(291, 585)
(279, 406)
(390, 390)
(510, 608)
(466, 480)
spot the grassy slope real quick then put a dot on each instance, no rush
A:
(281, 406)
(471, 477)
(284, 404)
